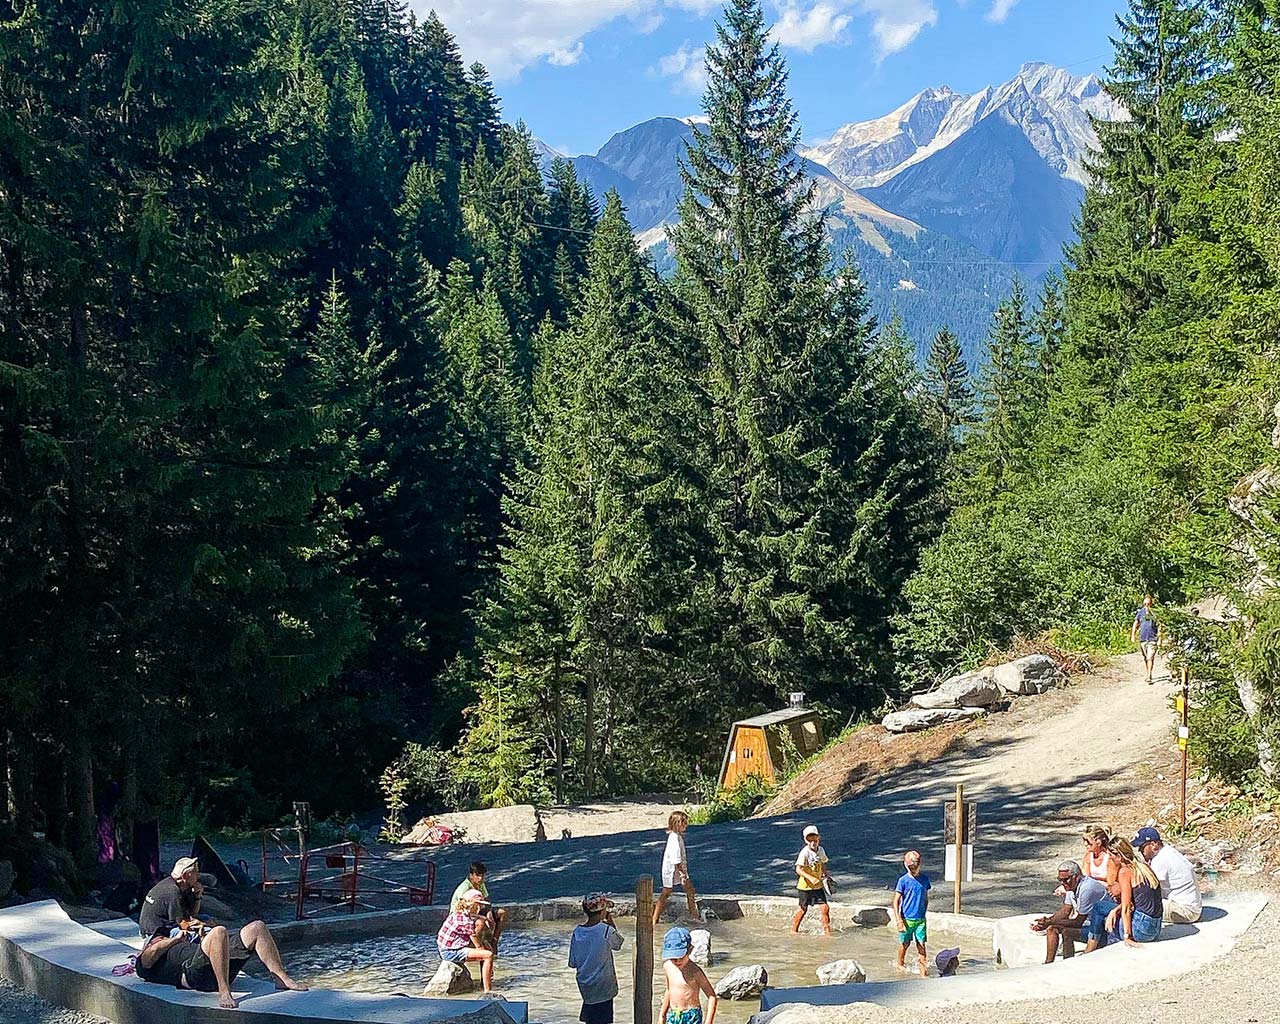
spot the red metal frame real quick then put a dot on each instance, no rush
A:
(351, 886)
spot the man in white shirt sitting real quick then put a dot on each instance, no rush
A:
(1178, 888)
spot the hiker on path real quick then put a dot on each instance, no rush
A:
(812, 880)
(209, 959)
(1070, 922)
(1146, 634)
(591, 949)
(491, 916)
(1179, 892)
(675, 866)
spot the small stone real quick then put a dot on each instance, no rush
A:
(743, 983)
(450, 979)
(700, 952)
(871, 917)
(841, 972)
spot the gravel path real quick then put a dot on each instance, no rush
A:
(18, 1006)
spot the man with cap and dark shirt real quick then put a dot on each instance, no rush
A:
(187, 953)
(1178, 889)
(1071, 920)
(173, 902)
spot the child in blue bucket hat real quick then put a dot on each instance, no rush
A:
(686, 982)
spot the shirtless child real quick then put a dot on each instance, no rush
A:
(682, 1003)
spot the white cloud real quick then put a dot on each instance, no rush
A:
(1000, 10)
(897, 22)
(510, 35)
(569, 55)
(822, 23)
(688, 66)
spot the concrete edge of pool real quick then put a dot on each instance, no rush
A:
(68, 964)
(1181, 949)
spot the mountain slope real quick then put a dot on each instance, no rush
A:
(990, 188)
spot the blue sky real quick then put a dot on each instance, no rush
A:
(576, 71)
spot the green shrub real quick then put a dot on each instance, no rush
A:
(733, 804)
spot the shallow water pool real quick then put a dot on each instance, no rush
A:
(532, 965)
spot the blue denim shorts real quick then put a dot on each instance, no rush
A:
(455, 956)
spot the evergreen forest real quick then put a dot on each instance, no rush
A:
(339, 442)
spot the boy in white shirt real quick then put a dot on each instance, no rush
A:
(813, 880)
(675, 866)
(591, 950)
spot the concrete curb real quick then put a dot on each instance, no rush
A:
(44, 951)
(1188, 948)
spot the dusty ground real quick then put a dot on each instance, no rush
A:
(611, 817)
(18, 1006)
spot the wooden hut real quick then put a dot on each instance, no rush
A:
(756, 745)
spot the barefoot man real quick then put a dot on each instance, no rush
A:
(206, 959)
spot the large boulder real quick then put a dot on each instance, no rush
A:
(518, 823)
(743, 983)
(1033, 674)
(807, 1013)
(913, 720)
(841, 972)
(971, 690)
(872, 917)
(450, 979)
(700, 952)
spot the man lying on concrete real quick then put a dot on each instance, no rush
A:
(206, 959)
(173, 902)
(1070, 921)
(1178, 889)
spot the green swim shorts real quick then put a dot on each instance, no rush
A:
(915, 929)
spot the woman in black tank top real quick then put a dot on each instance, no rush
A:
(1139, 916)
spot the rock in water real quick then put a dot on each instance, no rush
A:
(701, 951)
(872, 917)
(743, 983)
(450, 980)
(1033, 674)
(927, 718)
(971, 690)
(841, 972)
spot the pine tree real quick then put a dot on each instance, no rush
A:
(947, 383)
(801, 470)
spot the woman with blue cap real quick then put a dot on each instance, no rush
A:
(686, 982)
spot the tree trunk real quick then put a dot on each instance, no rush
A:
(23, 750)
(589, 735)
(82, 820)
(558, 703)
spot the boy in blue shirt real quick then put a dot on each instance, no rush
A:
(910, 905)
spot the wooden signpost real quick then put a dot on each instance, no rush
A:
(959, 830)
(1184, 734)
(642, 1012)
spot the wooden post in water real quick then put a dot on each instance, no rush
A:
(643, 973)
(960, 837)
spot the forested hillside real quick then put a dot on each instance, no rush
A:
(328, 425)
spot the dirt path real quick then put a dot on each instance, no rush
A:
(1039, 772)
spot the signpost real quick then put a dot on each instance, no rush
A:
(959, 831)
(1184, 734)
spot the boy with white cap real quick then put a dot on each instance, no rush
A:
(591, 950)
(813, 878)
(686, 983)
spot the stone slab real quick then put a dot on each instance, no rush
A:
(44, 951)
(1181, 948)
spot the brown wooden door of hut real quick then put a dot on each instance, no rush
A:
(750, 756)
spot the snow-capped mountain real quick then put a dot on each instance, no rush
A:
(943, 201)
(1050, 106)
